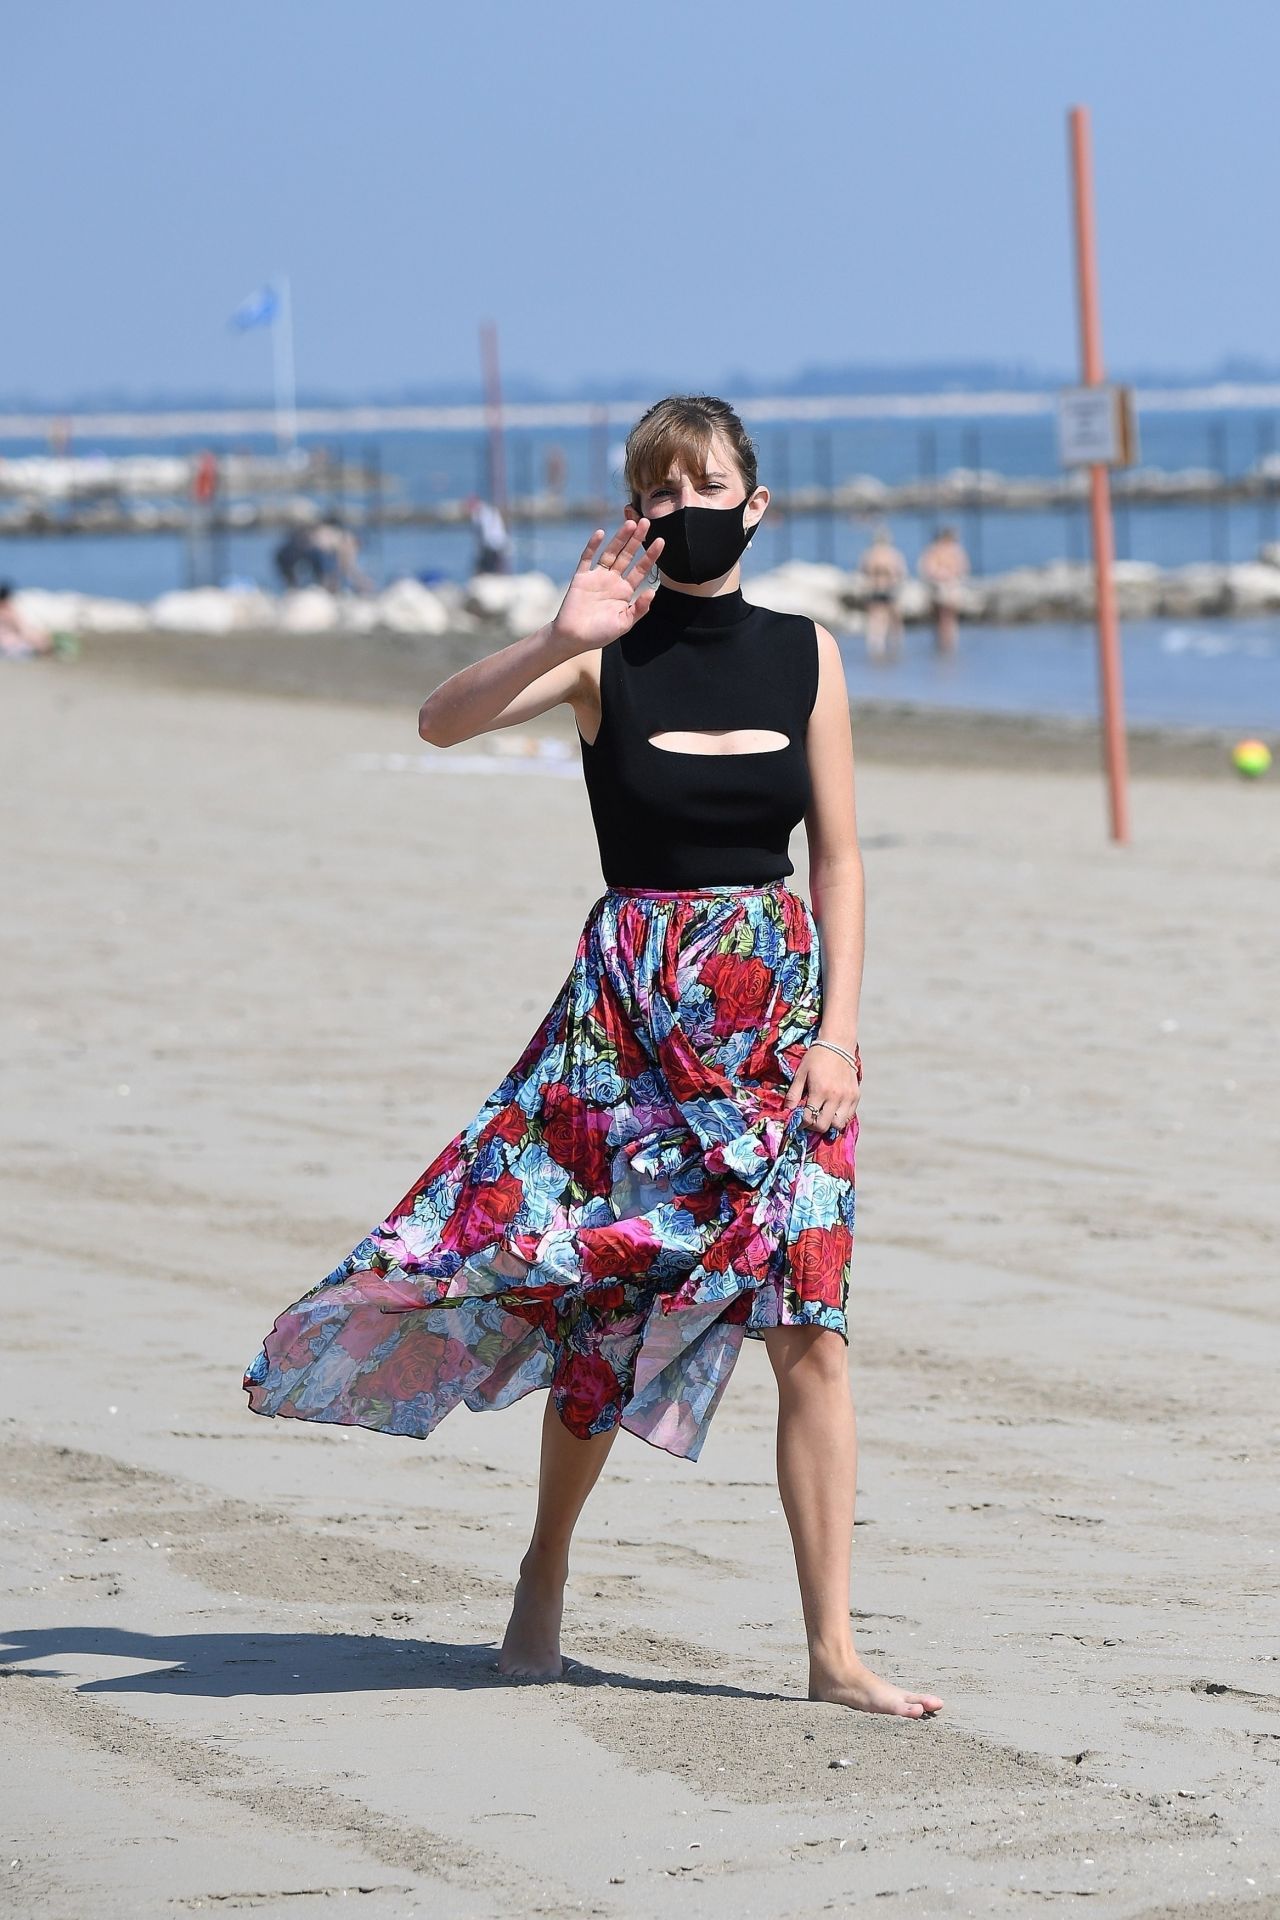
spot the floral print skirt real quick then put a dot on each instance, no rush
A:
(630, 1202)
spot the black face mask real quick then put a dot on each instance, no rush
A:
(701, 542)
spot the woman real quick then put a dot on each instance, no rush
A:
(668, 1167)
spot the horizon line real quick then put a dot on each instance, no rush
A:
(219, 422)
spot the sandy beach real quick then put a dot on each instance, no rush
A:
(259, 969)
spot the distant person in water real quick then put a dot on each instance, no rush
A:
(944, 568)
(885, 570)
(493, 542)
(20, 638)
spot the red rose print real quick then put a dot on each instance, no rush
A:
(584, 1385)
(606, 1299)
(838, 1156)
(367, 1329)
(702, 1206)
(482, 1212)
(538, 1312)
(511, 1124)
(294, 1335)
(412, 1367)
(632, 1058)
(626, 1247)
(742, 986)
(686, 1075)
(576, 1135)
(819, 1257)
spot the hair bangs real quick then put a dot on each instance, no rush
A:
(674, 443)
(678, 432)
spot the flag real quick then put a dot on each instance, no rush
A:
(257, 309)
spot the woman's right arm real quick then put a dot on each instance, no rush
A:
(543, 668)
(517, 683)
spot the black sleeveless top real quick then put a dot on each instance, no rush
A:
(668, 819)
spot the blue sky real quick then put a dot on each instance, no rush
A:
(661, 195)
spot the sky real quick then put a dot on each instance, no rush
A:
(643, 198)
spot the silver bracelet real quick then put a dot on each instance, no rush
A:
(815, 1042)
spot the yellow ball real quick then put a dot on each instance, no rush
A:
(1251, 758)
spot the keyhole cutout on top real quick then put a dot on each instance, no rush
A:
(729, 740)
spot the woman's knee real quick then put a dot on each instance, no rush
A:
(806, 1359)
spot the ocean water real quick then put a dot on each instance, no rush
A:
(440, 466)
(1219, 673)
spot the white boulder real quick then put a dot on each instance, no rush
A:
(819, 591)
(406, 606)
(1254, 588)
(308, 610)
(518, 601)
(80, 612)
(1197, 589)
(193, 610)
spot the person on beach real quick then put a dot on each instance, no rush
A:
(493, 540)
(668, 1168)
(944, 568)
(297, 561)
(336, 550)
(885, 571)
(20, 638)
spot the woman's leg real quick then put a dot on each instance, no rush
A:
(817, 1479)
(569, 1469)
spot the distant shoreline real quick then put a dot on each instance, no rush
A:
(216, 422)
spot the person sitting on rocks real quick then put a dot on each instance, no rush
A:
(337, 552)
(296, 559)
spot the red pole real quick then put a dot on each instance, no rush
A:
(1099, 482)
(493, 410)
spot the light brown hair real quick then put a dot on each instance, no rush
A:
(680, 430)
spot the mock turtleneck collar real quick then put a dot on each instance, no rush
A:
(697, 610)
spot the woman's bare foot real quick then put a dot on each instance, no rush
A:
(848, 1683)
(531, 1644)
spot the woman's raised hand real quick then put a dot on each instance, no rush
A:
(599, 605)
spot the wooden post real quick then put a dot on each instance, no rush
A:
(1099, 482)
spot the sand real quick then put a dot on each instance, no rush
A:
(392, 669)
(259, 969)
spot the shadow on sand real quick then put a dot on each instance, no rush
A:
(223, 1665)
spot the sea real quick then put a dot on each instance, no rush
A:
(1220, 673)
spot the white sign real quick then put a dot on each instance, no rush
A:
(1089, 427)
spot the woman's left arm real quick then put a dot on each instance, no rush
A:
(837, 889)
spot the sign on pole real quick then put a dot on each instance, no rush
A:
(1097, 426)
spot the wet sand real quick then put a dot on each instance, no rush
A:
(396, 670)
(260, 968)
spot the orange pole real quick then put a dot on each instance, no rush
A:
(493, 409)
(1109, 675)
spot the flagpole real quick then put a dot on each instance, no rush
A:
(282, 357)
